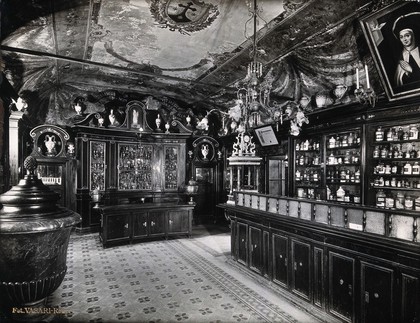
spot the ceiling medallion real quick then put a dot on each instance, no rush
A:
(186, 16)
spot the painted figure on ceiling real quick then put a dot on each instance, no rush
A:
(408, 68)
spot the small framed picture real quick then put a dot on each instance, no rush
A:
(266, 136)
(393, 35)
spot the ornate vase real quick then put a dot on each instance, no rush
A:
(34, 236)
(339, 92)
(322, 100)
(50, 145)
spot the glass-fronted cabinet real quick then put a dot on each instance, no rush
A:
(135, 166)
(395, 170)
(343, 166)
(97, 165)
(308, 168)
(171, 167)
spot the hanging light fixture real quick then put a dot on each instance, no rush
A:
(253, 95)
(254, 91)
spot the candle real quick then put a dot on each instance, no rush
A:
(357, 78)
(367, 77)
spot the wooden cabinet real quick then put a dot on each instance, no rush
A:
(135, 222)
(126, 168)
(352, 275)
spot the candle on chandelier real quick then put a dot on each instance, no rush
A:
(367, 77)
(357, 78)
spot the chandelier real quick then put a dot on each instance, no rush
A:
(253, 94)
(254, 91)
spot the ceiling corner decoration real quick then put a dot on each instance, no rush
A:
(185, 16)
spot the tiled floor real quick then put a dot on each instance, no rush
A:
(191, 280)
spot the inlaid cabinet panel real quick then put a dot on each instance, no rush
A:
(255, 249)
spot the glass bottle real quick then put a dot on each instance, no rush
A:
(340, 194)
(407, 169)
(379, 134)
(331, 142)
(413, 132)
(416, 169)
(380, 198)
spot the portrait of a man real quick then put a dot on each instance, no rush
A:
(393, 36)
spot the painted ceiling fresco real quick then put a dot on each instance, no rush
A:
(190, 53)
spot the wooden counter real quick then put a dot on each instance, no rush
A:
(360, 264)
(128, 223)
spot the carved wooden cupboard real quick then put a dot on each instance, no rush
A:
(123, 167)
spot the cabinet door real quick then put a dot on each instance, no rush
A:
(255, 249)
(301, 273)
(118, 227)
(140, 225)
(178, 221)
(157, 222)
(377, 293)
(242, 239)
(280, 259)
(410, 301)
(341, 285)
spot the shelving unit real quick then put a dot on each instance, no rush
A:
(395, 172)
(97, 165)
(343, 166)
(308, 168)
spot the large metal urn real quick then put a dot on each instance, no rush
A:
(34, 237)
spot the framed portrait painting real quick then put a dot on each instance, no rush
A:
(393, 35)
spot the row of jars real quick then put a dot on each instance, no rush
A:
(395, 152)
(343, 176)
(307, 145)
(388, 169)
(398, 201)
(342, 195)
(396, 134)
(349, 158)
(393, 182)
(308, 175)
(308, 160)
(343, 140)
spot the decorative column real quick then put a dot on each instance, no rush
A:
(14, 145)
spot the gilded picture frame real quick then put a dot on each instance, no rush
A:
(387, 32)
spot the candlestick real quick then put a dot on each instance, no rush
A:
(357, 78)
(367, 77)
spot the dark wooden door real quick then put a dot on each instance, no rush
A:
(341, 286)
(280, 259)
(255, 249)
(140, 225)
(205, 210)
(301, 271)
(178, 221)
(241, 243)
(118, 227)
(377, 293)
(157, 222)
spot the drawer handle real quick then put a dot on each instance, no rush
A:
(366, 297)
(171, 221)
(350, 290)
(152, 224)
(126, 226)
(145, 224)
